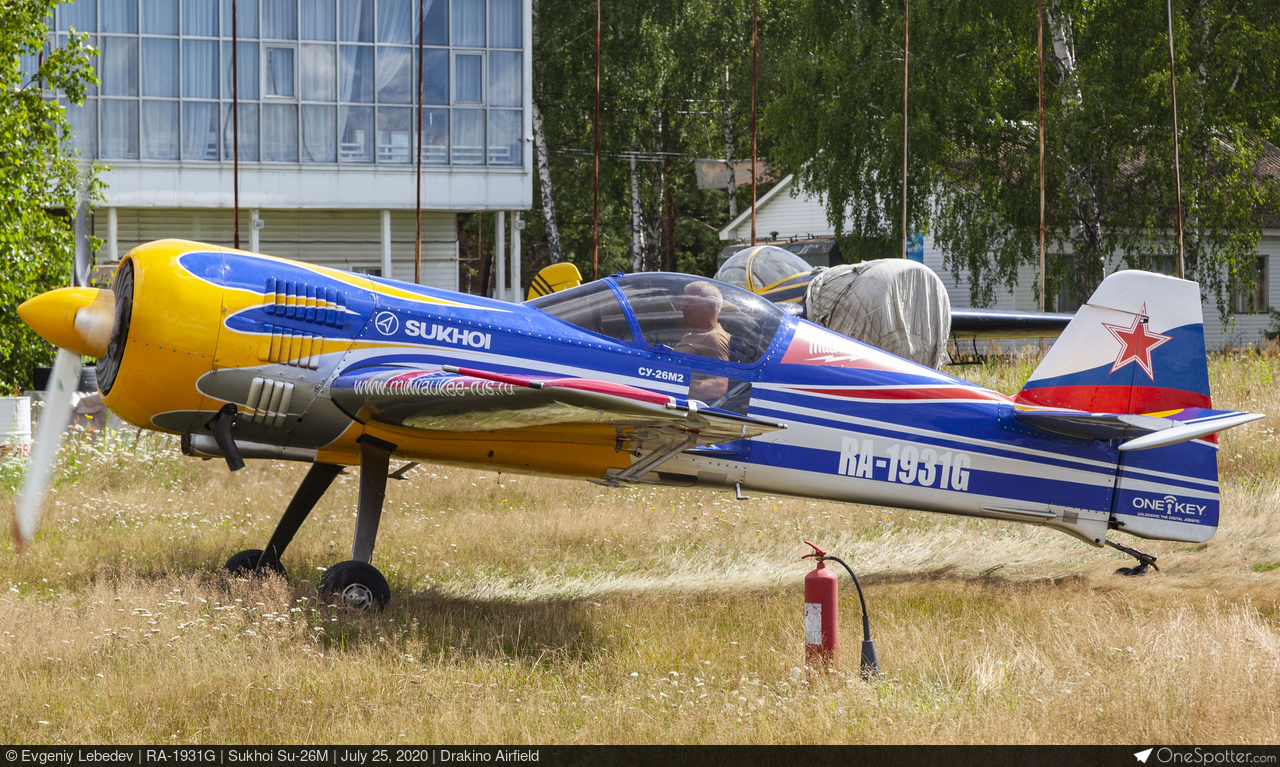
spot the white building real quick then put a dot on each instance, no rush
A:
(327, 126)
(804, 216)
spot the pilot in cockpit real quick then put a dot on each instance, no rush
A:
(700, 305)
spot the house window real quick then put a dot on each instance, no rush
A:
(1255, 300)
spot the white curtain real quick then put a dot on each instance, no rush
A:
(319, 136)
(468, 136)
(395, 75)
(200, 130)
(120, 16)
(119, 129)
(82, 16)
(119, 66)
(200, 17)
(504, 137)
(504, 23)
(200, 69)
(279, 133)
(316, 70)
(159, 17)
(248, 132)
(317, 20)
(355, 73)
(469, 71)
(355, 21)
(504, 79)
(160, 66)
(246, 18)
(279, 72)
(159, 130)
(279, 19)
(396, 20)
(355, 134)
(468, 23)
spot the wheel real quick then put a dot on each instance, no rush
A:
(243, 564)
(358, 585)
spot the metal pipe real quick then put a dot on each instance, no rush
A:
(417, 233)
(595, 205)
(1177, 170)
(1040, 92)
(754, 160)
(235, 125)
(906, 52)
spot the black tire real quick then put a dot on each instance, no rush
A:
(357, 585)
(243, 564)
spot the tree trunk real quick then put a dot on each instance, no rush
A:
(669, 211)
(728, 150)
(1081, 187)
(637, 230)
(544, 184)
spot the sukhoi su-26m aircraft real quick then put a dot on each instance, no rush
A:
(652, 377)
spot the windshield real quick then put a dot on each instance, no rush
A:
(705, 318)
(591, 307)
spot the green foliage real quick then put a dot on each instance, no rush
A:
(972, 124)
(663, 97)
(38, 176)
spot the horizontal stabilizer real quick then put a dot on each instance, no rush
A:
(1214, 421)
(1143, 431)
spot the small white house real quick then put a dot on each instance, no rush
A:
(795, 214)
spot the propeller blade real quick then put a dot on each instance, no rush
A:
(55, 417)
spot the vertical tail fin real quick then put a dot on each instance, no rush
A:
(1137, 346)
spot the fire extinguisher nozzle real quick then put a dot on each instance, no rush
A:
(870, 666)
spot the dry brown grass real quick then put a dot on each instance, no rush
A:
(528, 609)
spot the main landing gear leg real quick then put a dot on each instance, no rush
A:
(1144, 560)
(355, 582)
(255, 561)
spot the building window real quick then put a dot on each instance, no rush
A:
(1256, 300)
(319, 81)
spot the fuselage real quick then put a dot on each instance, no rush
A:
(277, 338)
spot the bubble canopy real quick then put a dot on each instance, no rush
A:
(648, 310)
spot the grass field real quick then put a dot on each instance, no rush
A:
(528, 609)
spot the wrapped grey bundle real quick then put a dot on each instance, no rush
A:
(894, 304)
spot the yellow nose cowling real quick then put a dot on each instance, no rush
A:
(79, 320)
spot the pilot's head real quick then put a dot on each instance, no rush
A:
(701, 304)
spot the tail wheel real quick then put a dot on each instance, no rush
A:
(245, 564)
(357, 585)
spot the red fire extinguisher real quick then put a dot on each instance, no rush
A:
(822, 617)
(821, 614)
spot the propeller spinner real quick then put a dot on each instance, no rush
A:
(78, 321)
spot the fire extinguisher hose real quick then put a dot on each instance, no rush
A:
(870, 665)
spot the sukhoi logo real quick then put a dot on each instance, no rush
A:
(386, 323)
(446, 335)
(1169, 505)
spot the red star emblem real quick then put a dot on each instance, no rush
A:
(1136, 343)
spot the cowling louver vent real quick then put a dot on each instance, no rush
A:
(305, 303)
(291, 347)
(269, 401)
